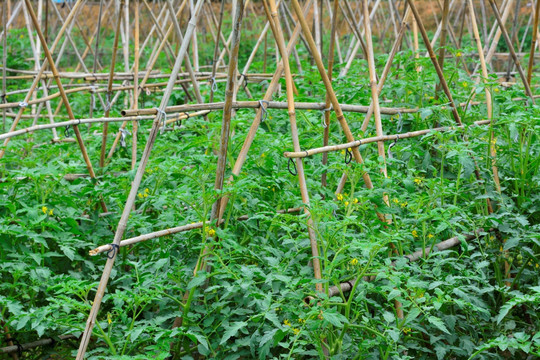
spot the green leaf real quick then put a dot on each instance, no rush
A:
(196, 281)
(438, 323)
(232, 330)
(335, 319)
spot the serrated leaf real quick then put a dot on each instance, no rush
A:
(232, 330)
(335, 319)
(196, 281)
(438, 323)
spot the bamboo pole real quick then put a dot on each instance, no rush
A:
(272, 15)
(356, 143)
(215, 59)
(37, 78)
(63, 95)
(85, 339)
(511, 49)
(434, 61)
(326, 131)
(533, 42)
(135, 127)
(105, 129)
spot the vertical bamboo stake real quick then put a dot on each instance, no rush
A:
(512, 51)
(109, 89)
(40, 73)
(216, 50)
(434, 61)
(333, 98)
(442, 43)
(135, 87)
(326, 131)
(96, 53)
(85, 338)
(278, 35)
(533, 42)
(4, 61)
(63, 95)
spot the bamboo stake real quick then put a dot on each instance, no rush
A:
(85, 339)
(37, 78)
(489, 104)
(134, 129)
(326, 131)
(533, 42)
(442, 43)
(105, 129)
(4, 61)
(272, 15)
(434, 61)
(512, 51)
(356, 143)
(63, 95)
(216, 50)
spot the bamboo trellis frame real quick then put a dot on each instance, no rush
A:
(165, 36)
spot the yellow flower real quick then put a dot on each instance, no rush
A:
(458, 54)
(346, 203)
(418, 181)
(339, 196)
(278, 309)
(415, 233)
(409, 92)
(355, 201)
(407, 330)
(146, 191)
(287, 322)
(430, 236)
(51, 212)
(109, 320)
(354, 262)
(465, 84)
(211, 232)
(403, 204)
(496, 90)
(295, 331)
(263, 155)
(396, 201)
(44, 209)
(301, 321)
(140, 195)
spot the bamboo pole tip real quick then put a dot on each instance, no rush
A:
(94, 252)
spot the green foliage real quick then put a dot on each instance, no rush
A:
(250, 302)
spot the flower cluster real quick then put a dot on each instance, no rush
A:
(47, 211)
(145, 194)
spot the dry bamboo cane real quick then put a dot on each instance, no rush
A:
(339, 113)
(37, 78)
(387, 67)
(326, 131)
(272, 88)
(356, 143)
(14, 348)
(434, 61)
(377, 113)
(31, 129)
(270, 105)
(533, 42)
(109, 90)
(215, 215)
(272, 15)
(174, 230)
(63, 95)
(4, 61)
(489, 104)
(213, 86)
(442, 41)
(135, 127)
(512, 51)
(85, 339)
(96, 53)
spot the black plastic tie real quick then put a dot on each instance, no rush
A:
(348, 156)
(112, 252)
(291, 161)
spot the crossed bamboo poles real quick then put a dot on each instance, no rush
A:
(314, 47)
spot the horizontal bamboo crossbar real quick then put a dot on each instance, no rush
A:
(34, 344)
(174, 230)
(27, 130)
(356, 143)
(270, 105)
